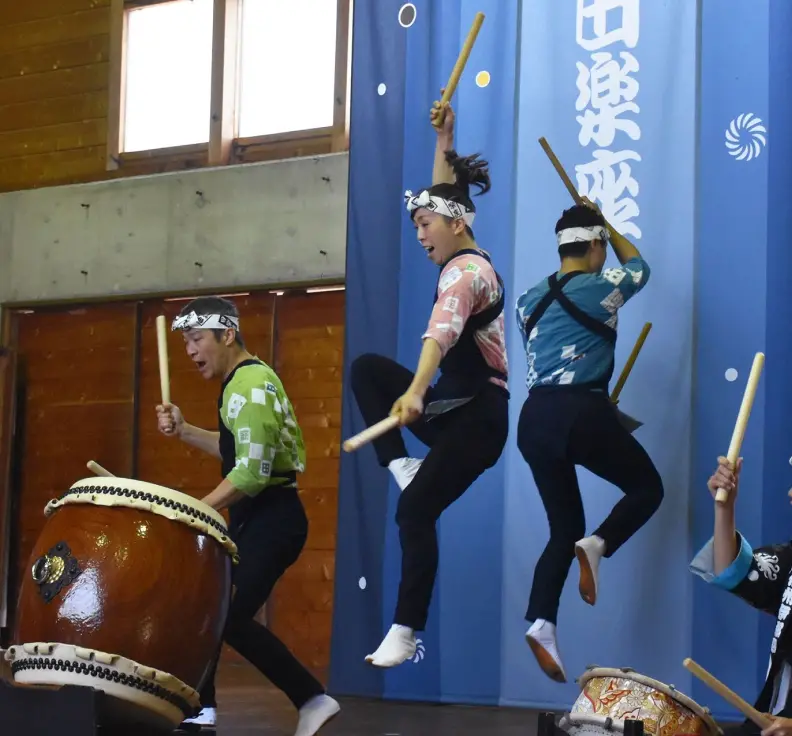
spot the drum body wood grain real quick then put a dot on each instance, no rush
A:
(128, 584)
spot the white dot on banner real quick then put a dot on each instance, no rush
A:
(407, 15)
(483, 78)
(381, 90)
(731, 374)
(362, 583)
(753, 576)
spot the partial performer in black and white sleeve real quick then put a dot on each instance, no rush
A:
(762, 577)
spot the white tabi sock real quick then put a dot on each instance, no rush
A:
(398, 646)
(315, 714)
(541, 637)
(588, 552)
(404, 470)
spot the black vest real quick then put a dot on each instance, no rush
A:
(607, 333)
(463, 370)
(227, 439)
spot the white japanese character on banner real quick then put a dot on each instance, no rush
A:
(786, 596)
(603, 22)
(783, 612)
(608, 188)
(603, 87)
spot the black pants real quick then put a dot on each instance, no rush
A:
(463, 444)
(557, 431)
(270, 540)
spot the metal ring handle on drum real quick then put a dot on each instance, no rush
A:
(55, 570)
(41, 570)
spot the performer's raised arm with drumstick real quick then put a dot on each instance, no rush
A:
(261, 449)
(463, 418)
(568, 325)
(762, 577)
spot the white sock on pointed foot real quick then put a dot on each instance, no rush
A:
(398, 646)
(541, 637)
(404, 470)
(315, 714)
(589, 551)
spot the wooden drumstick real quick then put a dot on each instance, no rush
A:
(162, 349)
(97, 469)
(560, 170)
(5, 669)
(459, 67)
(630, 362)
(742, 419)
(371, 433)
(760, 719)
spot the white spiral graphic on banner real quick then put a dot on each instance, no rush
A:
(420, 652)
(746, 136)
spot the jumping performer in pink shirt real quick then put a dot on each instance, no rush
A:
(463, 418)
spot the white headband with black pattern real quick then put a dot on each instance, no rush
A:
(441, 206)
(582, 234)
(205, 322)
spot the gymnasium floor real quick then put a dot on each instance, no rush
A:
(249, 705)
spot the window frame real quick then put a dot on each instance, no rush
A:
(224, 147)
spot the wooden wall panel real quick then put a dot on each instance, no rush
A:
(8, 365)
(309, 360)
(57, 29)
(79, 53)
(78, 371)
(34, 10)
(28, 117)
(54, 81)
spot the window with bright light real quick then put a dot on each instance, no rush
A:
(287, 66)
(168, 75)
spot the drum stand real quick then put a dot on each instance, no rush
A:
(547, 726)
(68, 710)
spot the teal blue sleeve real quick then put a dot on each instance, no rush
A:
(615, 286)
(703, 565)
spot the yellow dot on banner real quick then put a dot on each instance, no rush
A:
(483, 79)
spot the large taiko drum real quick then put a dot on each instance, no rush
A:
(609, 697)
(127, 591)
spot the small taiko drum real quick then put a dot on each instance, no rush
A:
(127, 592)
(609, 697)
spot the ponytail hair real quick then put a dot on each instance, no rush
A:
(468, 171)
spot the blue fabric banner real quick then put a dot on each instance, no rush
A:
(403, 54)
(611, 85)
(661, 113)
